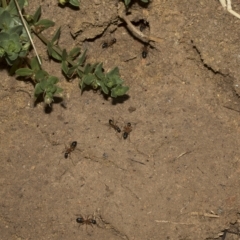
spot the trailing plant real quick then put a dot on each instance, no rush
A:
(73, 63)
(14, 46)
(127, 2)
(14, 42)
(74, 3)
(45, 84)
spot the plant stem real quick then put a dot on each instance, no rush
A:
(4, 3)
(56, 49)
(28, 33)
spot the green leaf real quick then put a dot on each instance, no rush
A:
(44, 24)
(82, 58)
(38, 90)
(48, 87)
(119, 91)
(71, 71)
(29, 18)
(89, 79)
(15, 66)
(55, 55)
(6, 21)
(52, 80)
(127, 2)
(56, 37)
(113, 78)
(103, 87)
(2, 52)
(54, 51)
(14, 37)
(11, 45)
(99, 72)
(145, 1)
(113, 72)
(118, 80)
(24, 72)
(3, 37)
(65, 67)
(79, 73)
(49, 49)
(41, 75)
(64, 55)
(13, 56)
(26, 46)
(11, 8)
(37, 15)
(110, 83)
(74, 3)
(17, 29)
(51, 89)
(74, 53)
(82, 85)
(22, 54)
(35, 64)
(89, 68)
(59, 90)
(44, 84)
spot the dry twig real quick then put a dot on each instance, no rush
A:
(137, 33)
(28, 33)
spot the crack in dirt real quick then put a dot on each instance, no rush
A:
(109, 226)
(203, 62)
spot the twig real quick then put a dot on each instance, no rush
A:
(28, 33)
(137, 33)
(178, 223)
(210, 215)
(136, 161)
(231, 108)
(181, 155)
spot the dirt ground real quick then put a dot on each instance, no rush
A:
(175, 177)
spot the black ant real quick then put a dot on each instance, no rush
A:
(114, 126)
(144, 51)
(126, 130)
(109, 43)
(143, 25)
(88, 221)
(70, 149)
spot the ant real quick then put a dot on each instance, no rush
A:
(143, 25)
(114, 126)
(144, 51)
(109, 43)
(126, 130)
(88, 221)
(70, 149)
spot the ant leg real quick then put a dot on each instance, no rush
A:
(87, 223)
(91, 219)
(72, 162)
(80, 224)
